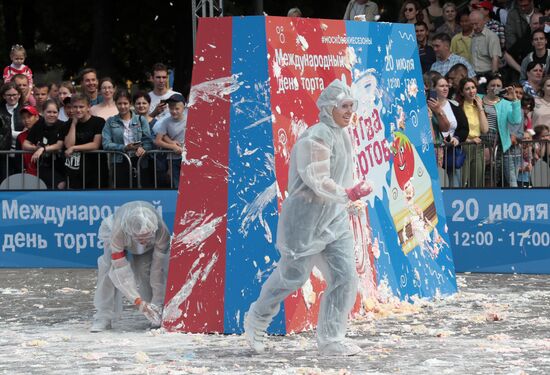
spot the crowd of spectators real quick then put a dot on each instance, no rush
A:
(484, 71)
(485, 67)
(55, 132)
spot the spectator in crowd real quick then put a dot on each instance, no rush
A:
(127, 132)
(84, 135)
(66, 90)
(524, 174)
(170, 134)
(500, 10)
(107, 107)
(486, 50)
(46, 142)
(461, 43)
(534, 22)
(473, 171)
(138, 229)
(161, 92)
(89, 86)
(29, 117)
(22, 82)
(458, 125)
(425, 51)
(445, 60)
(450, 27)
(509, 67)
(518, 91)
(159, 161)
(456, 74)
(9, 114)
(142, 103)
(5, 144)
(531, 85)
(40, 93)
(501, 115)
(527, 107)
(53, 90)
(539, 54)
(541, 111)
(433, 15)
(518, 31)
(485, 8)
(411, 12)
(437, 117)
(18, 54)
(542, 145)
(294, 12)
(362, 8)
(9, 109)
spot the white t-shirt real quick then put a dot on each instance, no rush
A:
(452, 120)
(155, 100)
(174, 129)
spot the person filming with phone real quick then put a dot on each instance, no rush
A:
(129, 133)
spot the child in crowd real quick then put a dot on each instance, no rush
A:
(29, 117)
(524, 175)
(527, 105)
(17, 57)
(170, 133)
(40, 93)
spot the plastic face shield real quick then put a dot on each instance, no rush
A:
(144, 238)
(347, 104)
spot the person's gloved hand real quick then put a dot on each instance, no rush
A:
(152, 312)
(360, 190)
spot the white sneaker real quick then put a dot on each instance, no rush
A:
(100, 325)
(340, 348)
(255, 337)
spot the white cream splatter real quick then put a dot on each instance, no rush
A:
(254, 210)
(215, 89)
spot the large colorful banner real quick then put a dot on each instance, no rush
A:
(254, 90)
(499, 230)
(59, 228)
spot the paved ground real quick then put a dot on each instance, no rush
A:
(497, 324)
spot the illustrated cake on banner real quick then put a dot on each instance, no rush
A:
(254, 90)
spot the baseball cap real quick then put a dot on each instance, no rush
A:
(175, 98)
(30, 109)
(485, 4)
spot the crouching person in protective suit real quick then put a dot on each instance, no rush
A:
(136, 228)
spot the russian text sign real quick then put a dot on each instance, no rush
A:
(254, 88)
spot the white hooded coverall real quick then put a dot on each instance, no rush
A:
(144, 274)
(313, 228)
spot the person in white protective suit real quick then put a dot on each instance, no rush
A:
(314, 227)
(138, 229)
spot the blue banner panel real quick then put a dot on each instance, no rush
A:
(503, 231)
(59, 228)
(252, 191)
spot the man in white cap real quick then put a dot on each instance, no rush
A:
(314, 228)
(136, 228)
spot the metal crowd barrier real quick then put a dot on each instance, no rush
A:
(484, 167)
(162, 169)
(14, 176)
(524, 165)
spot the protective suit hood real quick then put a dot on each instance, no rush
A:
(330, 97)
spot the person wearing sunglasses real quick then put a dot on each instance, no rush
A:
(411, 12)
(314, 229)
